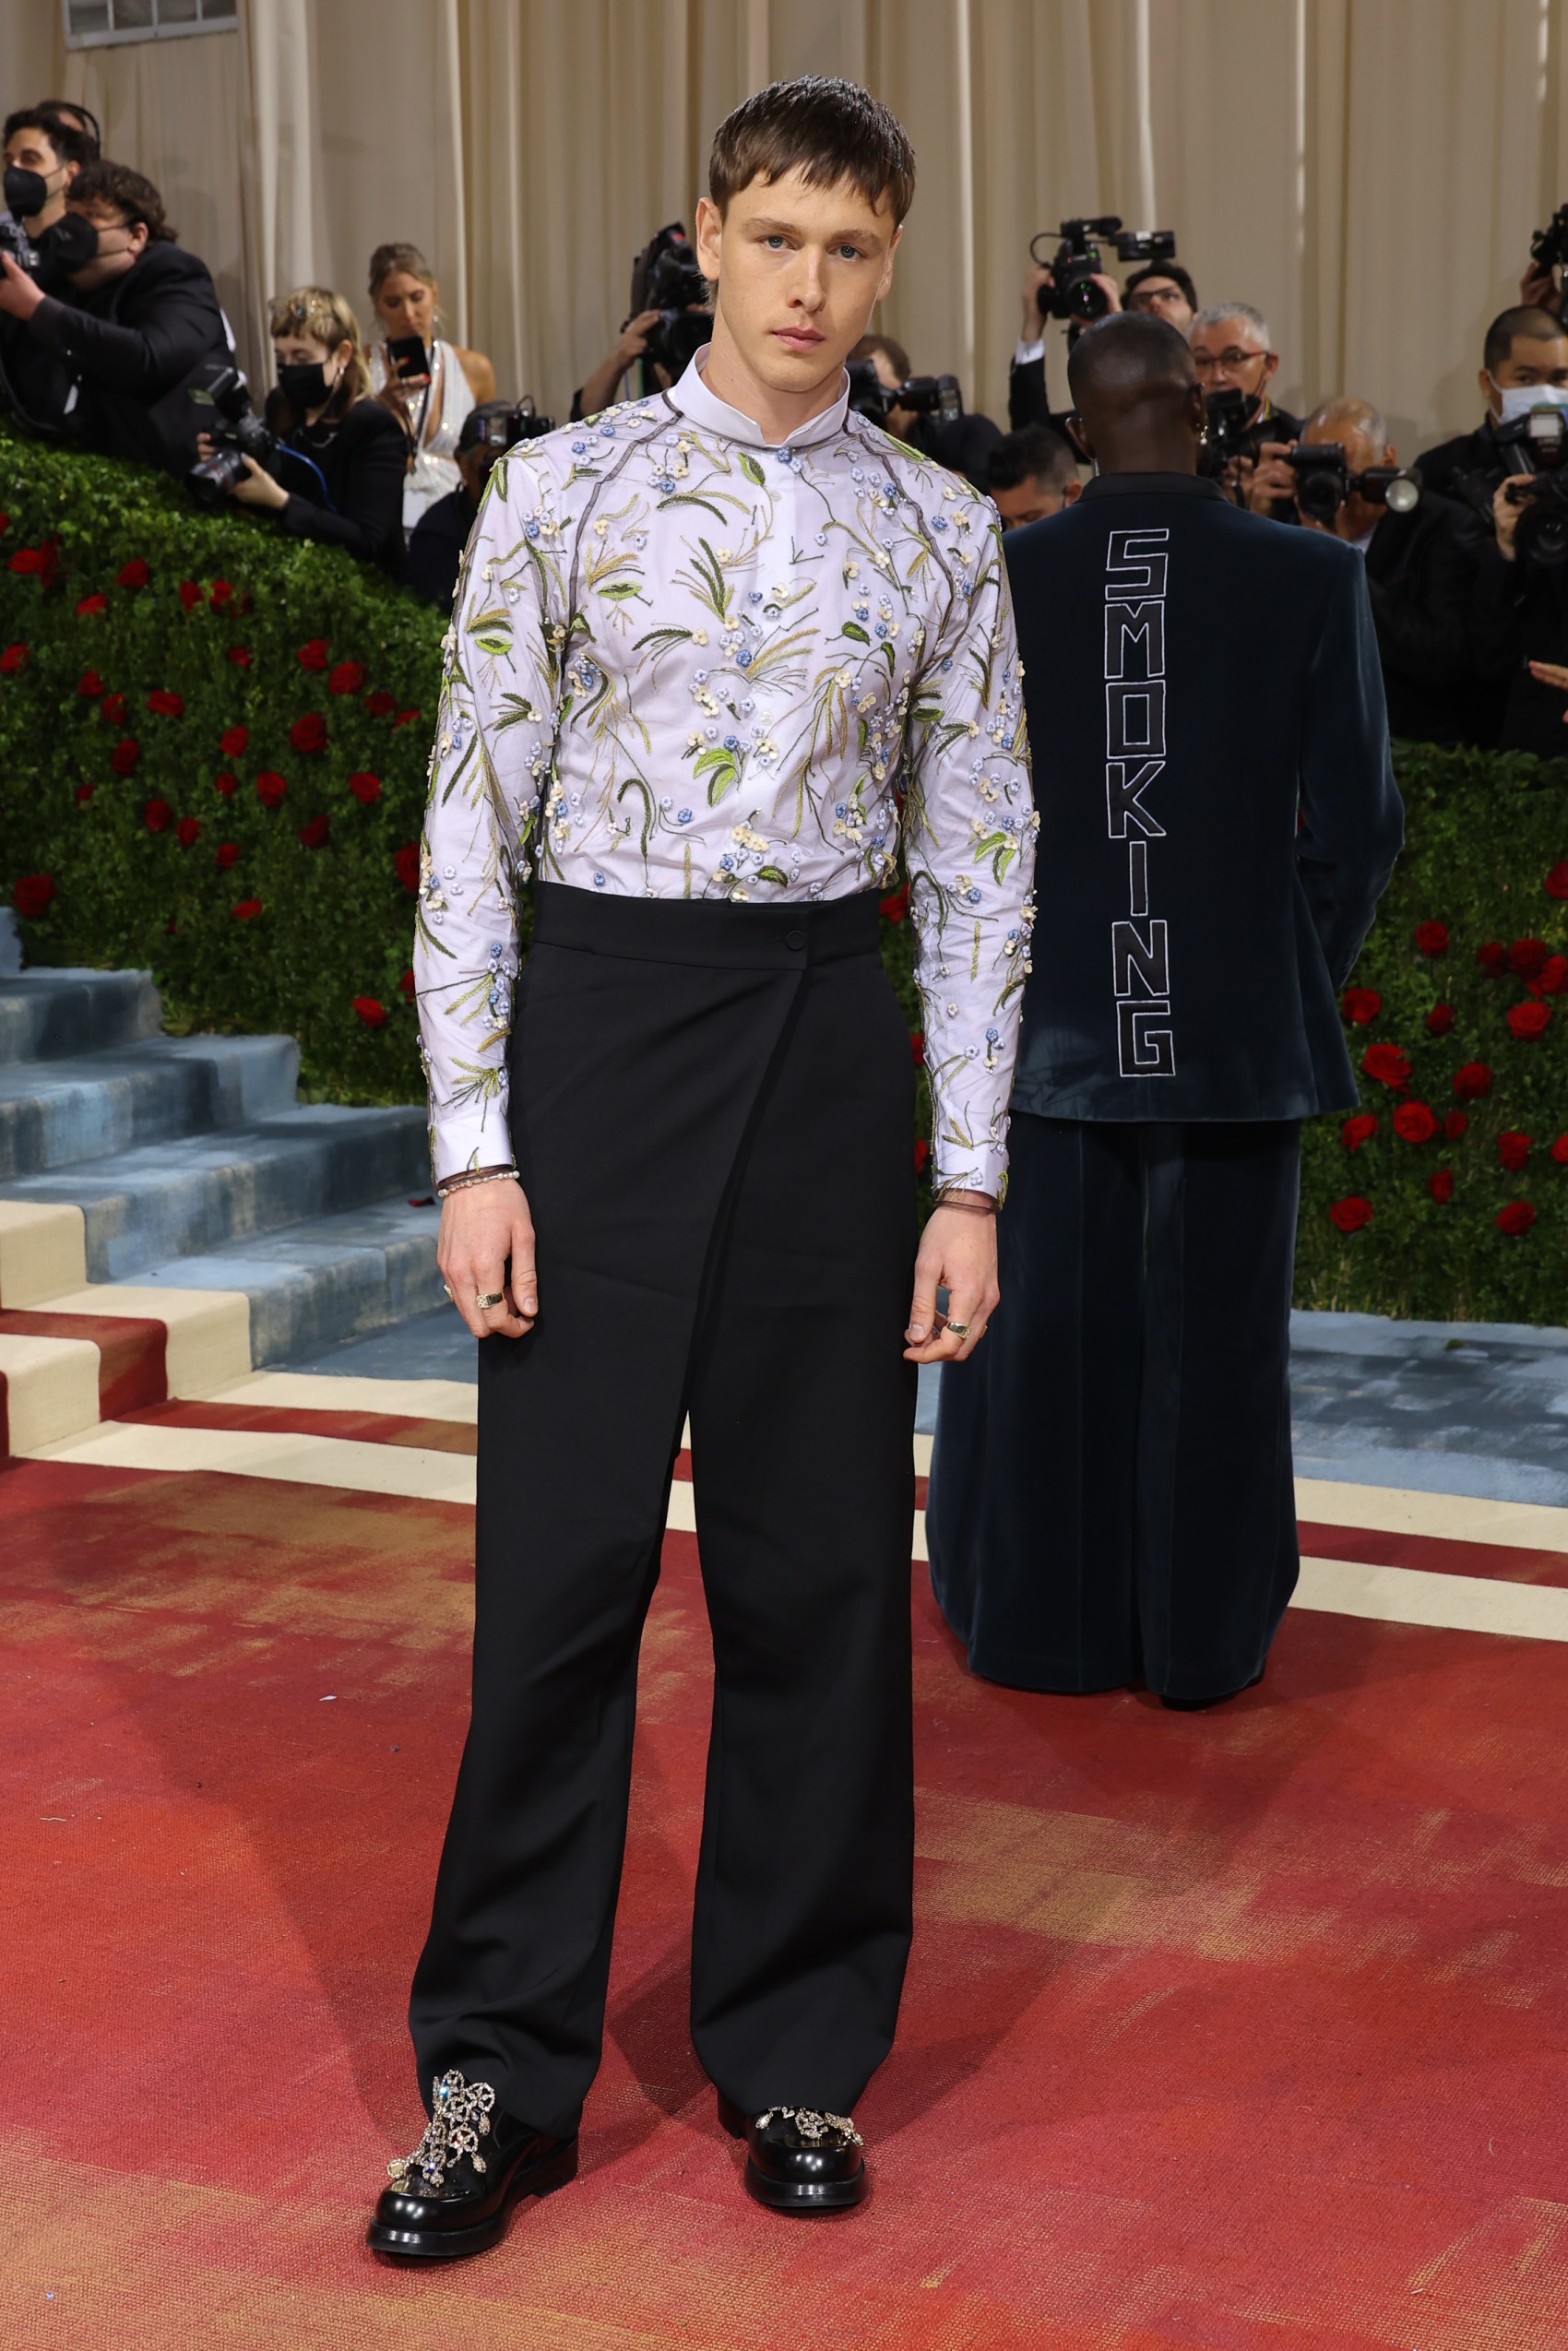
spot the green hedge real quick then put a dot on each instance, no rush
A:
(264, 883)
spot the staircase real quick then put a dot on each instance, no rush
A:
(170, 1218)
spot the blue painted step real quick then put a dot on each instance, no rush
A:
(55, 1113)
(51, 1013)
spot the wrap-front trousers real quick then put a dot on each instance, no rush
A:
(711, 1107)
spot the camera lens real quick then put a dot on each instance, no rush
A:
(1319, 493)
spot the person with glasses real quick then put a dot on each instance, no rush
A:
(1162, 289)
(1233, 352)
(136, 324)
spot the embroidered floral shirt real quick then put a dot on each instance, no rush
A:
(685, 663)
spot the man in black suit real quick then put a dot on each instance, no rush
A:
(1524, 365)
(1111, 1495)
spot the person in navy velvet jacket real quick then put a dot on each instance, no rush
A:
(1111, 1496)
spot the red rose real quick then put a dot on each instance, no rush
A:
(246, 908)
(1527, 956)
(1492, 958)
(1361, 1006)
(30, 894)
(314, 835)
(1414, 1122)
(227, 854)
(1513, 1148)
(365, 786)
(1351, 1213)
(225, 786)
(97, 604)
(222, 591)
(923, 1152)
(314, 655)
(1389, 1065)
(242, 656)
(271, 789)
(380, 702)
(14, 657)
(308, 733)
(188, 831)
(1440, 1020)
(90, 683)
(1440, 1183)
(125, 754)
(1556, 882)
(917, 1046)
(85, 793)
(1472, 1081)
(1528, 1022)
(1551, 979)
(164, 704)
(1454, 1125)
(374, 1014)
(233, 741)
(405, 717)
(155, 816)
(347, 678)
(1559, 1150)
(1432, 938)
(113, 708)
(191, 594)
(407, 983)
(1514, 1219)
(407, 865)
(136, 573)
(896, 904)
(1358, 1130)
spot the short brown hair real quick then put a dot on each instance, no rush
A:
(826, 129)
(116, 184)
(892, 350)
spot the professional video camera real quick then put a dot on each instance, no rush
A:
(1324, 482)
(666, 277)
(1076, 263)
(239, 435)
(935, 395)
(1549, 246)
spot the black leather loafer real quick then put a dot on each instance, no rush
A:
(798, 2161)
(455, 2194)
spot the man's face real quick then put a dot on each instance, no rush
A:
(33, 150)
(798, 271)
(121, 242)
(1032, 499)
(1163, 298)
(1230, 356)
(1357, 514)
(1528, 361)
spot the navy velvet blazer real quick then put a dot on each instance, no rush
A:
(1218, 815)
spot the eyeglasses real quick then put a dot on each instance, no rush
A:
(1206, 362)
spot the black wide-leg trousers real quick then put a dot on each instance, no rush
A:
(712, 1110)
(1111, 1493)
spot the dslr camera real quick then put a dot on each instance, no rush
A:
(1540, 441)
(502, 423)
(1076, 263)
(1236, 429)
(935, 395)
(666, 277)
(1549, 246)
(237, 432)
(1324, 482)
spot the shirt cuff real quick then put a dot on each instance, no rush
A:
(1025, 354)
(464, 1138)
(983, 1168)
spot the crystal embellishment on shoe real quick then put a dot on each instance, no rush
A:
(814, 2128)
(459, 2119)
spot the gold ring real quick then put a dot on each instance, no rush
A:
(955, 1330)
(489, 1298)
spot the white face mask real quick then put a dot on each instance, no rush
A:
(1518, 399)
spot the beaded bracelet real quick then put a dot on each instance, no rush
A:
(475, 1175)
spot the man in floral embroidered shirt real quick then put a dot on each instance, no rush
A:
(720, 660)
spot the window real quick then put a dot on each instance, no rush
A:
(93, 24)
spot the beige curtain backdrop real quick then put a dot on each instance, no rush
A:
(1367, 172)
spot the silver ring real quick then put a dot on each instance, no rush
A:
(954, 1330)
(489, 1298)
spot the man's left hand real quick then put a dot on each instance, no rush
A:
(20, 294)
(258, 489)
(957, 1251)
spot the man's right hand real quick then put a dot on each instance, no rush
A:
(1038, 279)
(1271, 478)
(1505, 514)
(633, 337)
(482, 1227)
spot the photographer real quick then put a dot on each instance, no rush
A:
(1519, 612)
(340, 453)
(1232, 352)
(1030, 474)
(962, 443)
(138, 322)
(1163, 290)
(1524, 365)
(435, 549)
(44, 151)
(602, 387)
(1027, 401)
(430, 390)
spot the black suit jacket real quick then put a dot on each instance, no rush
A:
(135, 346)
(436, 544)
(361, 458)
(1218, 815)
(1421, 576)
(1480, 453)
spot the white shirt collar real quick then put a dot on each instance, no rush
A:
(691, 397)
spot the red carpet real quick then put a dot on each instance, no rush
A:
(1229, 2031)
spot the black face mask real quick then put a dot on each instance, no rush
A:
(70, 244)
(27, 191)
(304, 385)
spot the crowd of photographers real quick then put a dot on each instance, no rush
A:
(113, 334)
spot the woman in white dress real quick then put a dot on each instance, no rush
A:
(406, 299)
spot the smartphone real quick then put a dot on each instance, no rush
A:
(408, 361)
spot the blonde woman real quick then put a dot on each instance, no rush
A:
(432, 400)
(337, 473)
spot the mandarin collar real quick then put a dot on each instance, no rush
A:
(711, 414)
(1152, 485)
